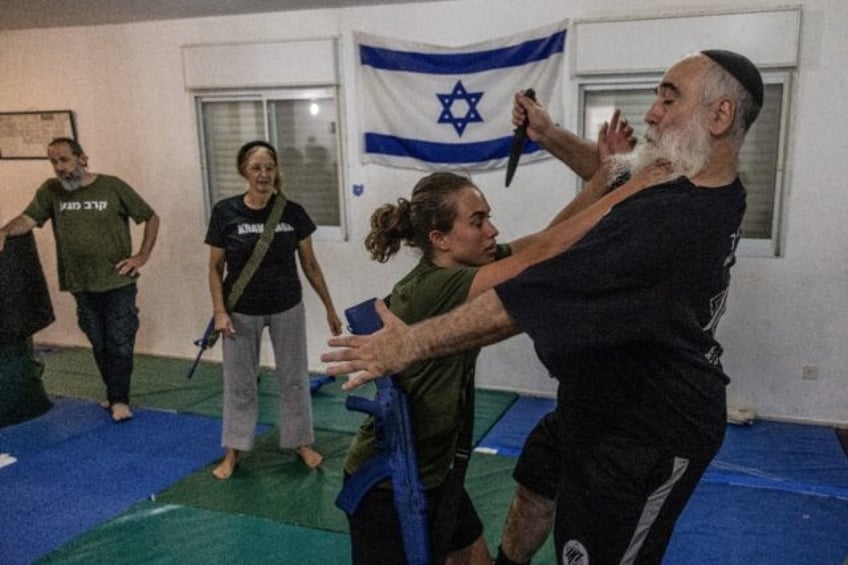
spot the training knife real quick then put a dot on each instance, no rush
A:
(519, 136)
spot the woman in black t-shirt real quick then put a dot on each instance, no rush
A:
(272, 298)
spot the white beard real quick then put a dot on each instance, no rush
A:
(70, 184)
(73, 181)
(686, 149)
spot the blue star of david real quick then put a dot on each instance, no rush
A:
(470, 98)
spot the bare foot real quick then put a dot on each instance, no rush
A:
(121, 412)
(311, 457)
(228, 464)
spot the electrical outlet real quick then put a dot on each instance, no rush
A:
(810, 372)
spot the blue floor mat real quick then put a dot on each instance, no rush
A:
(50, 495)
(507, 436)
(792, 457)
(735, 525)
(782, 456)
(775, 493)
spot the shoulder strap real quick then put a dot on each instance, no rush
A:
(259, 251)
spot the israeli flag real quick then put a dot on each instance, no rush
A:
(430, 107)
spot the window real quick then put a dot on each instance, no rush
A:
(760, 160)
(301, 123)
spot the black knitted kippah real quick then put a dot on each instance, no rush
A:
(742, 70)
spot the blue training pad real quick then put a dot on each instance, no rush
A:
(50, 495)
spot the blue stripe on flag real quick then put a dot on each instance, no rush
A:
(448, 153)
(463, 63)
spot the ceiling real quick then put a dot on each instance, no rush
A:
(26, 14)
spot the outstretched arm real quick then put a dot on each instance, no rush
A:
(479, 322)
(578, 217)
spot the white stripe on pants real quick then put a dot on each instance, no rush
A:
(241, 370)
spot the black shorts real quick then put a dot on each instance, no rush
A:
(538, 467)
(375, 534)
(617, 499)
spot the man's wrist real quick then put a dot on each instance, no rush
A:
(551, 138)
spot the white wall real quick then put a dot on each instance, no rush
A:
(136, 120)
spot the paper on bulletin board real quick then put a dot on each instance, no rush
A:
(25, 135)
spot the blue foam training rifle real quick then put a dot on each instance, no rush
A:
(396, 458)
(210, 337)
(207, 340)
(316, 383)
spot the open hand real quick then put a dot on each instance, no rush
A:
(615, 136)
(366, 357)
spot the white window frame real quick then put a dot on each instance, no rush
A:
(748, 247)
(265, 96)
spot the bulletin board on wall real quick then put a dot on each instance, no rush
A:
(25, 135)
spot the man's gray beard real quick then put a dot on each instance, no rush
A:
(686, 149)
(73, 181)
(70, 184)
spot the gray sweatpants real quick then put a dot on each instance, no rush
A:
(241, 370)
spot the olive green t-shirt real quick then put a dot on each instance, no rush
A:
(91, 229)
(437, 387)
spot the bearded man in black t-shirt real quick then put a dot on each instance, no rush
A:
(625, 321)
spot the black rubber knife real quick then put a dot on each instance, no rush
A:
(519, 136)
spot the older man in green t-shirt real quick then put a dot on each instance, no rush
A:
(90, 215)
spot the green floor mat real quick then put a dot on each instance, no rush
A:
(329, 412)
(152, 532)
(489, 483)
(273, 505)
(328, 407)
(70, 372)
(160, 382)
(271, 489)
(273, 484)
(489, 406)
(276, 486)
